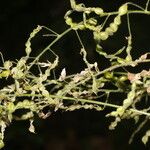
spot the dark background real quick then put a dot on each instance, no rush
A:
(82, 129)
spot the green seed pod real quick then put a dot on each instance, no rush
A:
(7, 64)
(123, 10)
(114, 114)
(92, 21)
(120, 60)
(146, 137)
(1, 144)
(74, 26)
(11, 107)
(114, 27)
(128, 58)
(109, 31)
(98, 11)
(87, 11)
(127, 102)
(120, 110)
(5, 73)
(103, 35)
(96, 36)
(123, 78)
(81, 27)
(117, 20)
(131, 95)
(68, 21)
(108, 75)
(129, 48)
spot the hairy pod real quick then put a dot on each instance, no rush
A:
(103, 35)
(117, 20)
(98, 11)
(100, 35)
(114, 27)
(123, 10)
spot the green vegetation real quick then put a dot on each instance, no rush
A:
(33, 92)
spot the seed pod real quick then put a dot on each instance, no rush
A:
(98, 11)
(96, 36)
(1, 144)
(123, 10)
(128, 58)
(146, 137)
(68, 21)
(109, 31)
(92, 21)
(114, 124)
(131, 95)
(114, 27)
(123, 78)
(87, 11)
(120, 110)
(117, 20)
(127, 102)
(81, 27)
(5, 74)
(108, 75)
(7, 64)
(11, 107)
(120, 60)
(103, 35)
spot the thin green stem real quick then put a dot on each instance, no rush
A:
(129, 27)
(49, 46)
(129, 12)
(86, 101)
(133, 4)
(138, 129)
(125, 64)
(147, 4)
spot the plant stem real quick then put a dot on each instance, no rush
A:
(129, 12)
(48, 47)
(86, 101)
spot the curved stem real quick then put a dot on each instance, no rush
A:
(86, 101)
(125, 64)
(49, 46)
(129, 12)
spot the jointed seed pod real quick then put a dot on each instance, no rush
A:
(123, 78)
(109, 31)
(69, 21)
(117, 20)
(103, 35)
(98, 11)
(123, 10)
(92, 21)
(100, 35)
(127, 102)
(113, 27)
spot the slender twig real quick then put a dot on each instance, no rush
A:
(49, 46)
(147, 4)
(83, 101)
